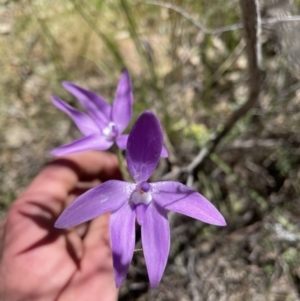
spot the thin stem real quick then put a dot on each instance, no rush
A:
(122, 164)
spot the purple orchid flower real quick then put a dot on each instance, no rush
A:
(104, 124)
(146, 202)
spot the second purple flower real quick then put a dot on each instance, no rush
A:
(104, 124)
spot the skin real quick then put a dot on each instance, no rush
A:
(39, 262)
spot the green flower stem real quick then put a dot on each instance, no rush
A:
(125, 174)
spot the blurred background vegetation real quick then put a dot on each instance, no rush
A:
(194, 80)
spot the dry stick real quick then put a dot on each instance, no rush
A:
(222, 29)
(252, 29)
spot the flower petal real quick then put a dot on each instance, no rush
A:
(140, 211)
(122, 141)
(164, 153)
(156, 242)
(106, 197)
(144, 146)
(122, 238)
(122, 106)
(96, 105)
(84, 123)
(177, 197)
(92, 142)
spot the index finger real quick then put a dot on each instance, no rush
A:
(53, 185)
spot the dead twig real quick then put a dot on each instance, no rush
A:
(252, 30)
(193, 276)
(251, 143)
(222, 29)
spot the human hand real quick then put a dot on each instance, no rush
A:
(40, 262)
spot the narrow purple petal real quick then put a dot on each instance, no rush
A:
(156, 242)
(122, 106)
(122, 141)
(106, 197)
(122, 239)
(140, 211)
(84, 123)
(177, 197)
(144, 147)
(96, 105)
(164, 153)
(92, 142)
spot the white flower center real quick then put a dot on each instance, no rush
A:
(110, 131)
(141, 197)
(142, 194)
